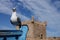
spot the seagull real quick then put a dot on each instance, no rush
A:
(15, 20)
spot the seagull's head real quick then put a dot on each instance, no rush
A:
(14, 9)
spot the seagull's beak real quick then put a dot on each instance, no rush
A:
(14, 9)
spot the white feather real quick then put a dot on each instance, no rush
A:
(14, 17)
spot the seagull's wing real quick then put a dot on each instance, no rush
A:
(19, 21)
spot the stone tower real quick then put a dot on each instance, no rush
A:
(37, 30)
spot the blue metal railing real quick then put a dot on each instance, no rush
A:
(18, 34)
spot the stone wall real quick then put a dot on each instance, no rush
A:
(37, 30)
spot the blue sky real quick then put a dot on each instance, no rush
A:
(42, 10)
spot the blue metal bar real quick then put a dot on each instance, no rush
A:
(10, 33)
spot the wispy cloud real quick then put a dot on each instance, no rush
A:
(6, 8)
(45, 12)
(42, 9)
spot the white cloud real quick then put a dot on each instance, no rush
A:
(23, 17)
(6, 8)
(45, 12)
(40, 8)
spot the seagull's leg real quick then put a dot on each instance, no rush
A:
(17, 27)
